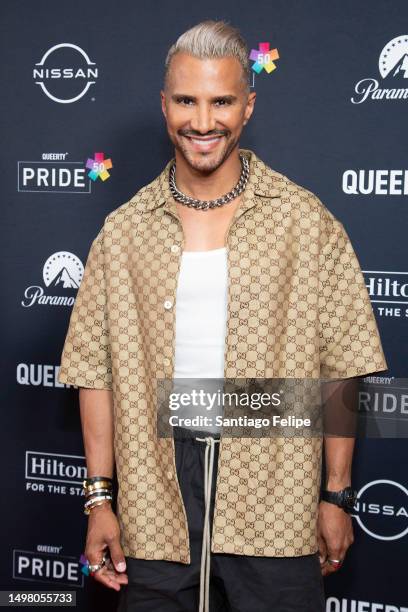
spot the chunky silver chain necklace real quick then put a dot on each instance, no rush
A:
(205, 204)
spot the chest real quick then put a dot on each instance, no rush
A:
(204, 230)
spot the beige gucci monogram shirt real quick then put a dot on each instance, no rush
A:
(297, 307)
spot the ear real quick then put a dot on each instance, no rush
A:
(249, 109)
(163, 102)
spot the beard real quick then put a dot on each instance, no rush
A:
(205, 162)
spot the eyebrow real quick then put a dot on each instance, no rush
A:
(229, 97)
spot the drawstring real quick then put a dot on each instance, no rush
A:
(206, 546)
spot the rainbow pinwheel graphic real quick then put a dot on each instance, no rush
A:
(264, 58)
(84, 564)
(98, 167)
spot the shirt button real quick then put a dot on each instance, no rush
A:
(174, 248)
(169, 475)
(166, 361)
(168, 304)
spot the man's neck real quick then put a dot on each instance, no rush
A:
(208, 186)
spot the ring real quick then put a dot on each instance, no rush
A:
(96, 566)
(335, 562)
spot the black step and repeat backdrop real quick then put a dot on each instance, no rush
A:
(82, 131)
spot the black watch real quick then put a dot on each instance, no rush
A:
(346, 498)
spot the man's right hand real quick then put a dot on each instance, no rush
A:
(104, 533)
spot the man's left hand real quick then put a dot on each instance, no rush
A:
(334, 535)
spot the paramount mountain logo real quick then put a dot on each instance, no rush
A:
(393, 68)
(62, 274)
(63, 278)
(401, 67)
(64, 269)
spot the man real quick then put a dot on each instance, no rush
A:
(295, 306)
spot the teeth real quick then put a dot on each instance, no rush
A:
(200, 142)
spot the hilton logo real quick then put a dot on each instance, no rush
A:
(52, 467)
(389, 291)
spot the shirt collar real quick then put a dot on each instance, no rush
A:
(262, 181)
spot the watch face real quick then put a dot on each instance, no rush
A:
(350, 497)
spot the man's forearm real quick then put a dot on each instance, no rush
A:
(338, 456)
(96, 406)
(340, 413)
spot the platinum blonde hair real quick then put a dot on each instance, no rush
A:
(212, 39)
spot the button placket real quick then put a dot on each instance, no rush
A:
(176, 249)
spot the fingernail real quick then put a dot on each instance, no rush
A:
(121, 566)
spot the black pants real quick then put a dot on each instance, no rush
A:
(238, 583)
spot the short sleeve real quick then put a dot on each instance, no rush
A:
(350, 343)
(85, 359)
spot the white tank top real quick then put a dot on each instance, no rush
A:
(201, 317)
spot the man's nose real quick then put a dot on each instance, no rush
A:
(203, 119)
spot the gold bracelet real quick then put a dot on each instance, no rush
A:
(95, 485)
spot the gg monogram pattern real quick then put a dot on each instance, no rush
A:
(297, 307)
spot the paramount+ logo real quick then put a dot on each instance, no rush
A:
(393, 69)
(62, 276)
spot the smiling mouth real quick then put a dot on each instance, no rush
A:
(204, 143)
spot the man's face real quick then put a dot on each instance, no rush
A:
(206, 105)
